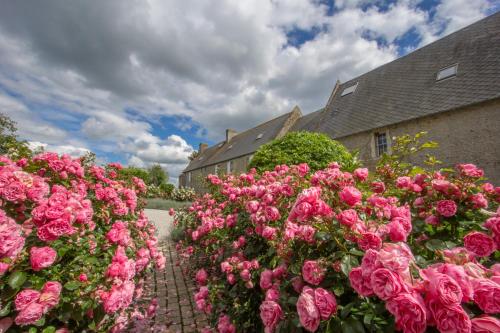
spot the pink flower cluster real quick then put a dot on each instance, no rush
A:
(432, 300)
(33, 304)
(315, 305)
(238, 266)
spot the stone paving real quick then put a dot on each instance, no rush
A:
(174, 290)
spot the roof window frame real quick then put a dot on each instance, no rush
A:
(349, 90)
(455, 65)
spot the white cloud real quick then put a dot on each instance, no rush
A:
(60, 149)
(84, 80)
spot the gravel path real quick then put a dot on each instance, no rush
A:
(161, 220)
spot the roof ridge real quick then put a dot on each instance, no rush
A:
(423, 47)
(259, 125)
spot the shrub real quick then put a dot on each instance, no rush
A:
(183, 194)
(316, 149)
(75, 246)
(335, 251)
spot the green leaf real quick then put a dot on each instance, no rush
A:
(40, 322)
(367, 319)
(322, 236)
(351, 325)
(17, 279)
(72, 285)
(32, 330)
(5, 310)
(356, 252)
(346, 265)
(435, 244)
(339, 290)
(49, 329)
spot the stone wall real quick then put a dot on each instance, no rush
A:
(468, 135)
(198, 176)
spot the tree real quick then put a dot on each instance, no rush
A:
(9, 143)
(157, 175)
(193, 155)
(316, 149)
(129, 172)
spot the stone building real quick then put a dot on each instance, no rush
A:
(449, 88)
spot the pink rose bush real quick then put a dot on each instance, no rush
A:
(336, 250)
(75, 247)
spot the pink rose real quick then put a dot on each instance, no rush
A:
(432, 220)
(485, 324)
(55, 229)
(25, 298)
(325, 302)
(271, 314)
(370, 240)
(83, 277)
(446, 208)
(30, 314)
(245, 275)
(348, 217)
(403, 182)
(50, 294)
(457, 273)
(201, 277)
(377, 187)
(42, 257)
(452, 319)
(442, 288)
(312, 272)
(298, 284)
(479, 200)
(350, 195)
(361, 174)
(119, 297)
(409, 311)
(309, 315)
(395, 257)
(272, 213)
(387, 284)
(470, 170)
(266, 279)
(361, 284)
(487, 295)
(269, 233)
(479, 244)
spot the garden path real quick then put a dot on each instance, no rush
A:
(174, 290)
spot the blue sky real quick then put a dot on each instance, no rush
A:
(160, 77)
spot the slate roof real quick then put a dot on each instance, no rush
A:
(241, 144)
(406, 88)
(309, 122)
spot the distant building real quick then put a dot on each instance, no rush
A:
(449, 88)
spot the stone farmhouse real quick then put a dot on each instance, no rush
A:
(449, 88)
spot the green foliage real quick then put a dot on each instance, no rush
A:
(316, 149)
(157, 175)
(167, 188)
(165, 204)
(9, 143)
(132, 171)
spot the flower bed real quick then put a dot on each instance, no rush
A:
(75, 247)
(335, 251)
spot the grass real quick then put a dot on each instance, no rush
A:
(164, 204)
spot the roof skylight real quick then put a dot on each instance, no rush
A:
(260, 136)
(230, 146)
(220, 144)
(447, 72)
(349, 90)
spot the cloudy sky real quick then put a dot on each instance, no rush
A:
(145, 81)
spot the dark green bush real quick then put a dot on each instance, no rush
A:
(315, 149)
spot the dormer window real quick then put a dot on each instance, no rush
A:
(349, 90)
(447, 72)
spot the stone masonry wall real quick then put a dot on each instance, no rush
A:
(469, 135)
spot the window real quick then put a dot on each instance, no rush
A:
(349, 90)
(216, 169)
(229, 167)
(447, 72)
(380, 143)
(189, 177)
(260, 136)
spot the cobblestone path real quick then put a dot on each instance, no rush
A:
(174, 290)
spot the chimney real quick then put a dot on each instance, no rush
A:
(230, 133)
(202, 148)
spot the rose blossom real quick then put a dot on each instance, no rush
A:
(42, 257)
(312, 272)
(370, 240)
(487, 295)
(266, 279)
(201, 277)
(30, 314)
(485, 324)
(452, 319)
(442, 288)
(446, 208)
(25, 298)
(361, 174)
(309, 315)
(387, 284)
(409, 311)
(350, 195)
(348, 217)
(49, 296)
(325, 302)
(359, 283)
(470, 170)
(271, 314)
(479, 244)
